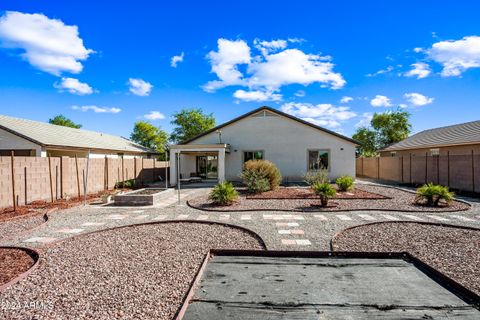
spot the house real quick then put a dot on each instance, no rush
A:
(459, 139)
(294, 145)
(33, 138)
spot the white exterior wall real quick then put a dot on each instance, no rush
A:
(11, 141)
(285, 142)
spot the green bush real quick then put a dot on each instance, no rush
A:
(129, 184)
(260, 176)
(317, 176)
(223, 194)
(325, 191)
(432, 194)
(344, 183)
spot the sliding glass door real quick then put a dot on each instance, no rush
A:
(207, 167)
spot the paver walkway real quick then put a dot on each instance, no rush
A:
(279, 230)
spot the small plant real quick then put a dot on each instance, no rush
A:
(432, 194)
(127, 184)
(325, 191)
(317, 176)
(344, 183)
(260, 176)
(223, 194)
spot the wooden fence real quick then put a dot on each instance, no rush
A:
(461, 172)
(27, 179)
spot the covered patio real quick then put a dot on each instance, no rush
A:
(198, 163)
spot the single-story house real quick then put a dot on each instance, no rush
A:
(294, 145)
(32, 138)
(459, 139)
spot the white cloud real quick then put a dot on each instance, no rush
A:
(300, 93)
(73, 86)
(456, 56)
(176, 59)
(420, 70)
(97, 109)
(268, 72)
(321, 114)
(267, 47)
(381, 71)
(417, 49)
(257, 95)
(381, 101)
(417, 99)
(224, 63)
(47, 44)
(154, 115)
(346, 99)
(365, 120)
(139, 87)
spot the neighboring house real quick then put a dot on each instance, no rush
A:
(459, 139)
(33, 138)
(294, 145)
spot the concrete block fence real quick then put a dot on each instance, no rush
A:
(54, 178)
(461, 172)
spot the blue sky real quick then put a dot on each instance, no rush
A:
(107, 65)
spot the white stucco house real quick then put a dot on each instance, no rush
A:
(33, 138)
(294, 145)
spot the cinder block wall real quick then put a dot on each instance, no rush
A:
(33, 176)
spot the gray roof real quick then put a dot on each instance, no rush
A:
(47, 134)
(459, 134)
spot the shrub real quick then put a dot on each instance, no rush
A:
(223, 194)
(260, 175)
(128, 184)
(433, 194)
(344, 183)
(317, 176)
(325, 191)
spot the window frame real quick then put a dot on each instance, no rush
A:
(253, 151)
(435, 151)
(329, 153)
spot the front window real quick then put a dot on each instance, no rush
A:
(252, 155)
(317, 159)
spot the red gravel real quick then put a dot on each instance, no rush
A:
(307, 193)
(453, 251)
(13, 262)
(394, 199)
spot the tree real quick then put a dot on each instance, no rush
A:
(190, 123)
(61, 120)
(386, 128)
(146, 134)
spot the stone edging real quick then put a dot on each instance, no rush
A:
(32, 253)
(446, 225)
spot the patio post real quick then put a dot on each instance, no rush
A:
(178, 175)
(221, 165)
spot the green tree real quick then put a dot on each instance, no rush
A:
(149, 136)
(61, 120)
(190, 123)
(386, 128)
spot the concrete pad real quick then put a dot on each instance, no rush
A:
(438, 218)
(182, 216)
(412, 217)
(343, 217)
(246, 217)
(93, 224)
(224, 217)
(366, 217)
(320, 217)
(462, 218)
(202, 217)
(160, 217)
(141, 217)
(274, 288)
(390, 217)
(41, 239)
(70, 231)
(303, 242)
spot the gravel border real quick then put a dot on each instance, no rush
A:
(400, 201)
(21, 225)
(132, 272)
(452, 250)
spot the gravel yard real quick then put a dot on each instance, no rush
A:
(307, 193)
(140, 272)
(396, 200)
(16, 226)
(453, 251)
(13, 262)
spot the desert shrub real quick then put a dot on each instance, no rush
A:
(223, 194)
(432, 194)
(325, 191)
(344, 183)
(256, 172)
(129, 184)
(317, 176)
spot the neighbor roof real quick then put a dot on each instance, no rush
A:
(277, 112)
(50, 135)
(459, 134)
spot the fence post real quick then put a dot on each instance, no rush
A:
(473, 171)
(61, 177)
(426, 167)
(78, 178)
(438, 168)
(378, 168)
(123, 174)
(50, 177)
(448, 169)
(410, 167)
(12, 161)
(363, 159)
